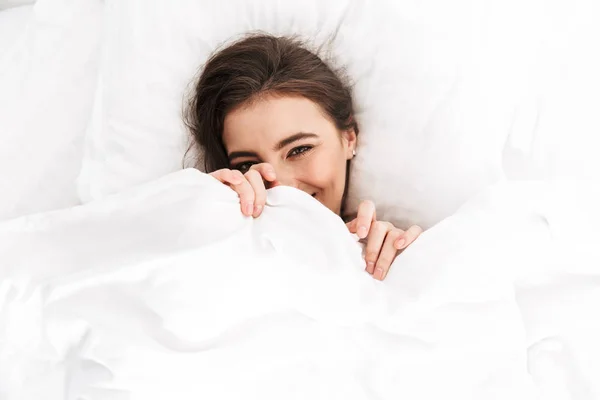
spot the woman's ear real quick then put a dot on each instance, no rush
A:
(349, 142)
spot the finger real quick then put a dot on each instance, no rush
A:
(246, 193)
(365, 216)
(351, 226)
(387, 255)
(378, 232)
(408, 237)
(228, 176)
(266, 170)
(260, 192)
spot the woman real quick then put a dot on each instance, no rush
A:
(266, 112)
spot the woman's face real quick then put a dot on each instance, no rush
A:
(294, 135)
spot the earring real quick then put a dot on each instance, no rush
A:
(353, 153)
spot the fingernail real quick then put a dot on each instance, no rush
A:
(400, 243)
(249, 208)
(362, 231)
(257, 210)
(378, 274)
(370, 267)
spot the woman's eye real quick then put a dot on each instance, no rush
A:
(244, 167)
(296, 151)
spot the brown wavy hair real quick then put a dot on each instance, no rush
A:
(255, 66)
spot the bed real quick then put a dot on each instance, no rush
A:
(125, 274)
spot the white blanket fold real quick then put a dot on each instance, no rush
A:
(167, 291)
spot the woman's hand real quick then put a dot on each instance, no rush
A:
(384, 241)
(250, 186)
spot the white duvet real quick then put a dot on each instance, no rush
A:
(167, 292)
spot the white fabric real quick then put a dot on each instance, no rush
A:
(12, 24)
(7, 4)
(167, 291)
(452, 96)
(47, 81)
(555, 130)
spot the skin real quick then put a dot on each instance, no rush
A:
(289, 140)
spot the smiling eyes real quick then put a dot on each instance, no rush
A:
(294, 153)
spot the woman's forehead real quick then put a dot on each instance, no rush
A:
(272, 119)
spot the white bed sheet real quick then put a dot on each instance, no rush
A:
(167, 291)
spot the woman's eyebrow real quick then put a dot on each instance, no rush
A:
(238, 154)
(294, 138)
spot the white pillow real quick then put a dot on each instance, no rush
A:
(556, 130)
(437, 87)
(47, 81)
(153, 50)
